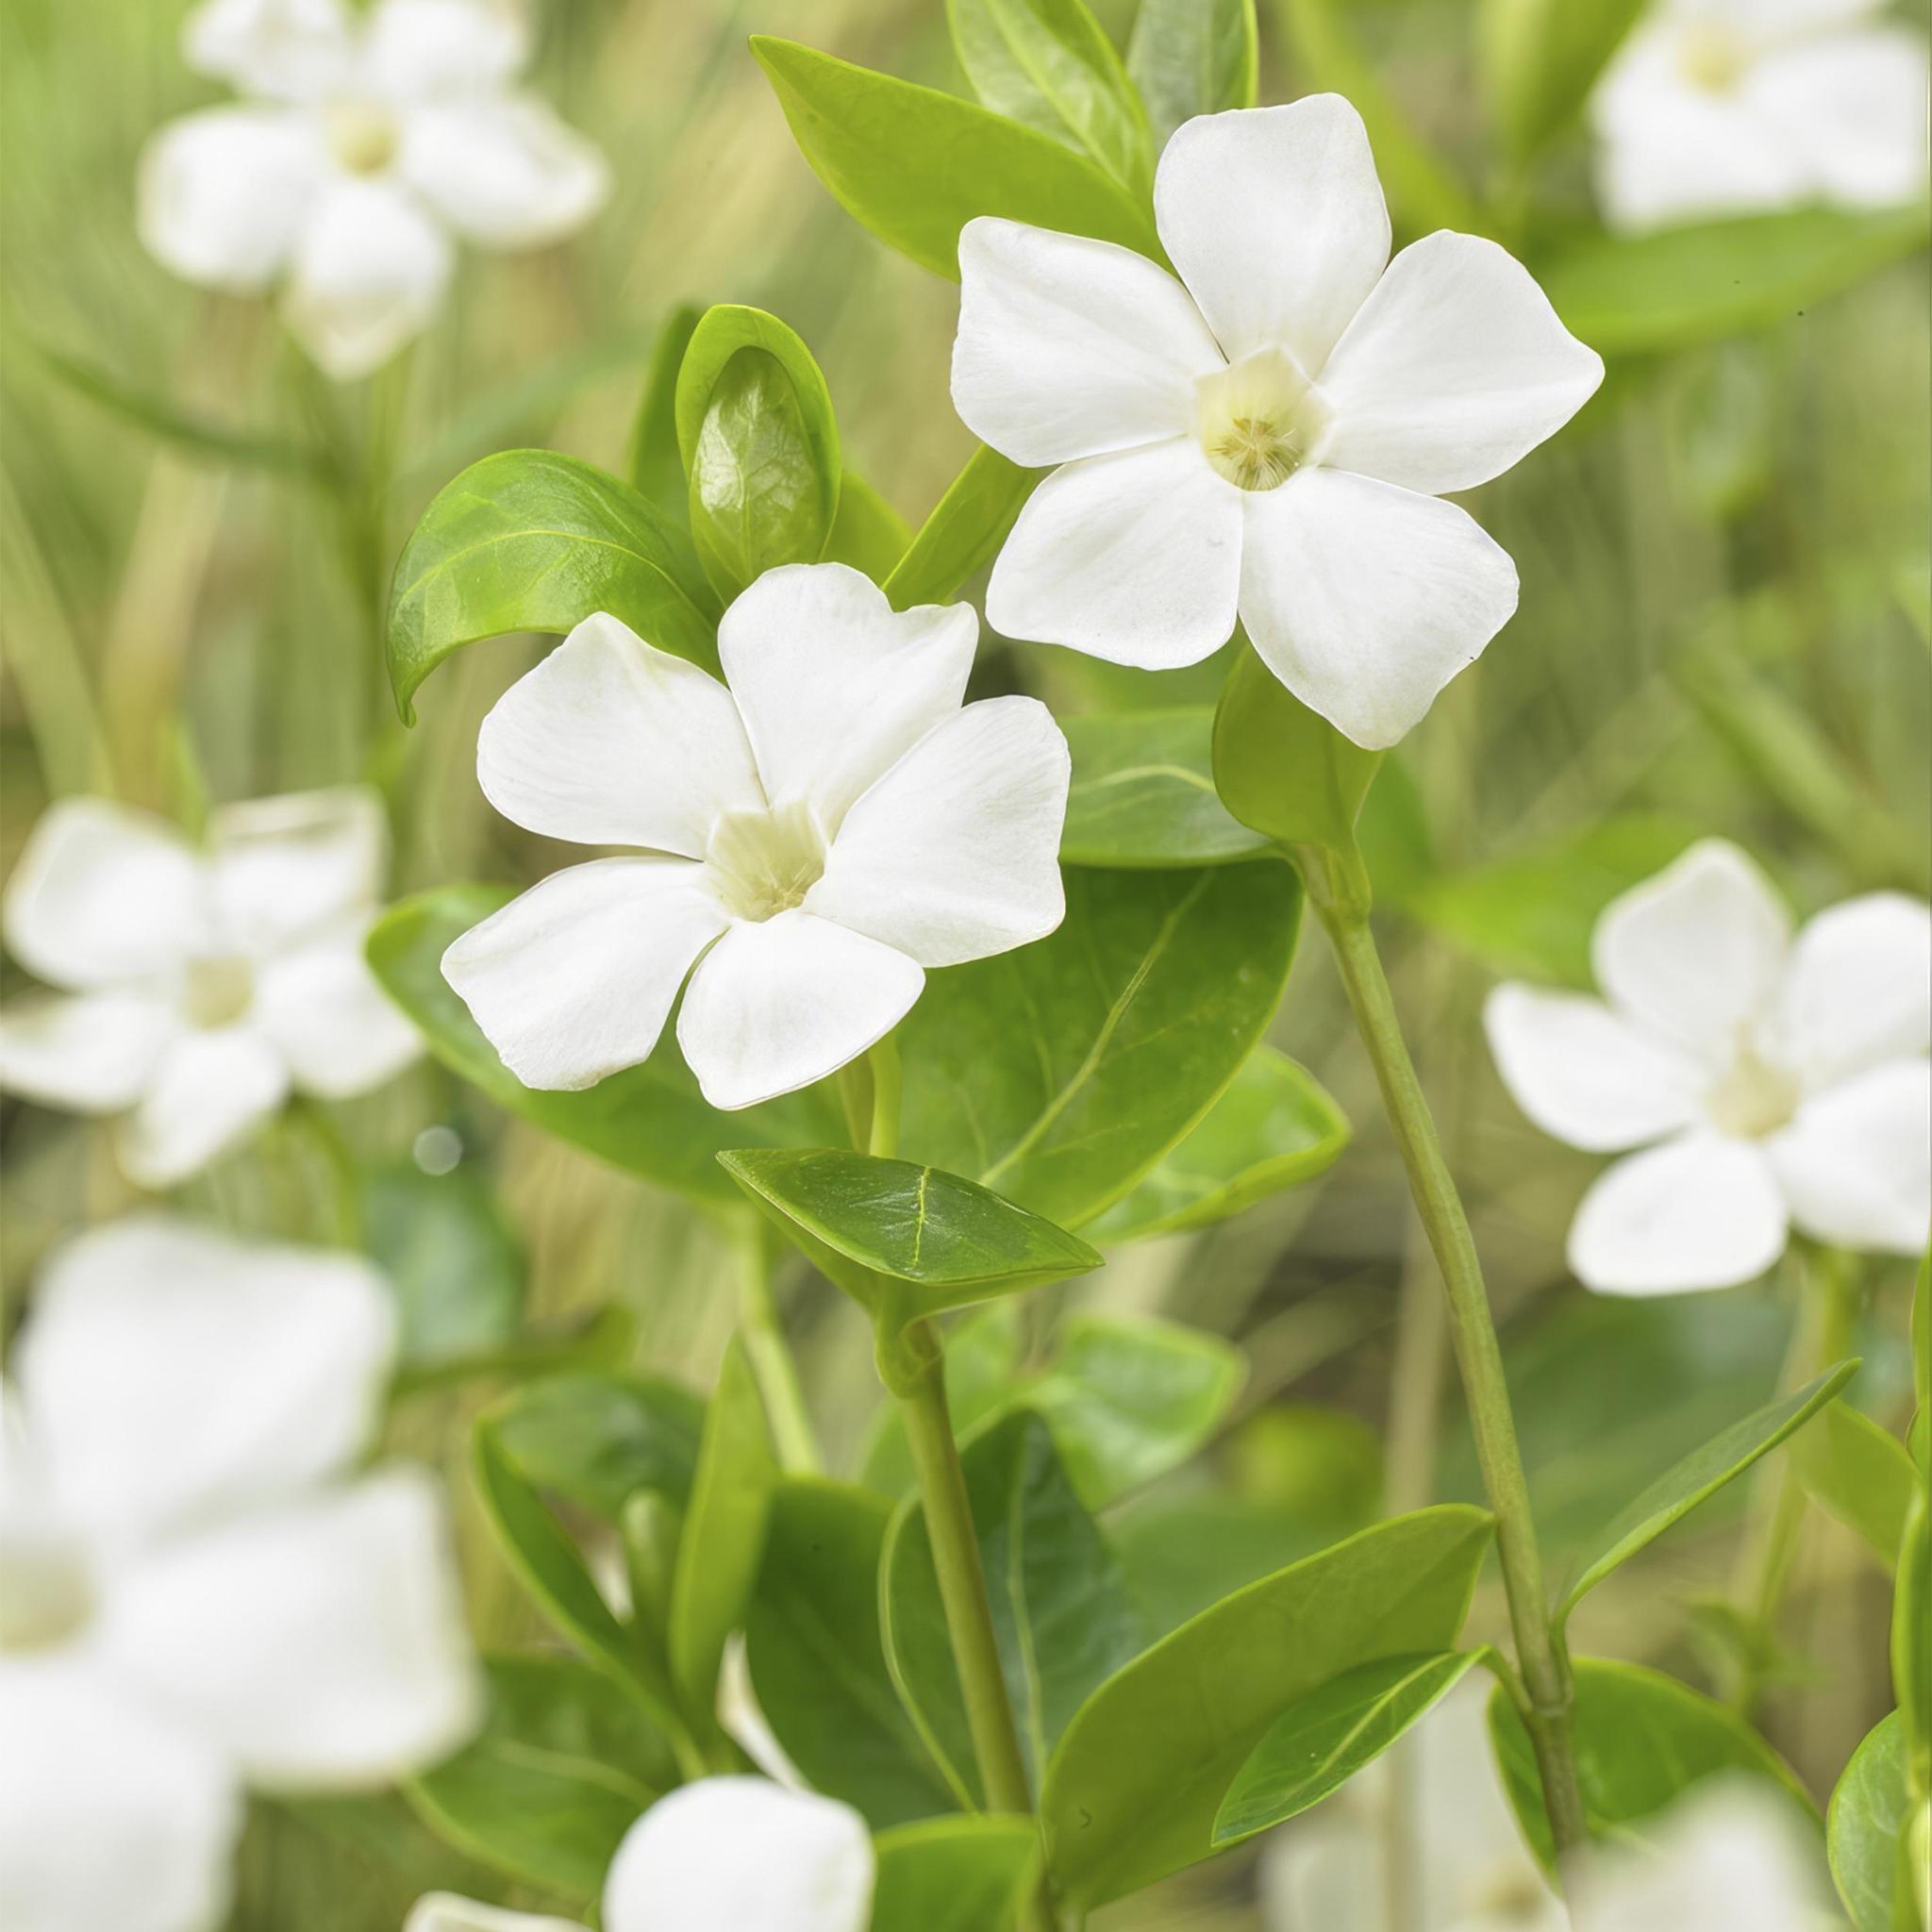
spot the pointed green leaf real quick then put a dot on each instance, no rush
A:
(965, 532)
(596, 1439)
(1541, 57)
(654, 467)
(868, 533)
(954, 1874)
(1143, 793)
(1194, 56)
(1860, 1474)
(1865, 1824)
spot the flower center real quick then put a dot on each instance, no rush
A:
(46, 1595)
(1508, 1894)
(363, 135)
(1753, 1099)
(1258, 419)
(764, 863)
(216, 989)
(1712, 57)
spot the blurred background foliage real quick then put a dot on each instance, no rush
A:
(1724, 629)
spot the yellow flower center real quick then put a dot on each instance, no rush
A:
(764, 863)
(1753, 1099)
(363, 135)
(217, 990)
(1712, 57)
(45, 1593)
(1258, 419)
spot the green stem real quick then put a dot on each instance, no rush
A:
(771, 1363)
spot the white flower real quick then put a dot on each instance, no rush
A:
(814, 837)
(204, 986)
(362, 140)
(195, 1593)
(1786, 1081)
(1736, 106)
(1270, 434)
(722, 1855)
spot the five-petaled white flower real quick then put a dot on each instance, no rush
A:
(360, 143)
(1269, 436)
(813, 838)
(197, 1592)
(1786, 1080)
(205, 985)
(722, 1855)
(1737, 107)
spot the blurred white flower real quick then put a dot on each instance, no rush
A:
(1786, 1080)
(203, 985)
(813, 838)
(1269, 436)
(1737, 107)
(362, 141)
(722, 1855)
(196, 1593)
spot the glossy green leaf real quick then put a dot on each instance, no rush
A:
(596, 1439)
(1319, 1742)
(954, 1874)
(818, 1662)
(1911, 1642)
(1641, 1740)
(1194, 56)
(1701, 1474)
(1275, 1127)
(560, 1771)
(1060, 1073)
(1120, 1811)
(1143, 793)
(760, 447)
(1861, 1473)
(529, 540)
(649, 1120)
(1061, 1611)
(983, 1376)
(965, 532)
(915, 165)
(1672, 289)
(1867, 1816)
(868, 533)
(654, 466)
(1540, 58)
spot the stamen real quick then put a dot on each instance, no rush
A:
(1258, 419)
(763, 863)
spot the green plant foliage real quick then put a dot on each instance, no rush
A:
(655, 466)
(1865, 1826)
(965, 532)
(1143, 793)
(1540, 58)
(1861, 1473)
(954, 1874)
(596, 1439)
(868, 533)
(1911, 1643)
(1194, 56)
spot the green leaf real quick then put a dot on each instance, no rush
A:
(596, 1439)
(1641, 1740)
(1860, 1474)
(1049, 63)
(655, 466)
(983, 1377)
(1061, 1611)
(1864, 1824)
(1120, 1810)
(1319, 1742)
(868, 533)
(965, 532)
(529, 540)
(760, 446)
(560, 1771)
(1275, 1127)
(1911, 1642)
(1194, 56)
(818, 1662)
(915, 165)
(1541, 57)
(649, 1120)
(1701, 1474)
(1060, 1073)
(723, 1539)
(1143, 793)
(954, 1874)
(1628, 295)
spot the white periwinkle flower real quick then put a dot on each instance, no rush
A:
(361, 141)
(813, 838)
(202, 985)
(1269, 436)
(197, 1592)
(1737, 107)
(1785, 1081)
(722, 1855)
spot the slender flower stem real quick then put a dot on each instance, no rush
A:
(771, 1363)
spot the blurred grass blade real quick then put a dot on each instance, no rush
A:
(965, 530)
(1540, 58)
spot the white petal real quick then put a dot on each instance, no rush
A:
(208, 1093)
(777, 1005)
(1071, 347)
(574, 979)
(368, 274)
(1584, 1074)
(1694, 955)
(1134, 557)
(103, 893)
(287, 867)
(1857, 989)
(954, 855)
(1854, 106)
(1365, 599)
(505, 172)
(108, 1818)
(1856, 1162)
(733, 1854)
(166, 1371)
(1699, 1211)
(444, 1911)
(318, 1643)
(613, 742)
(295, 50)
(222, 195)
(1454, 370)
(1275, 220)
(834, 684)
(92, 1052)
(335, 1028)
(420, 48)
